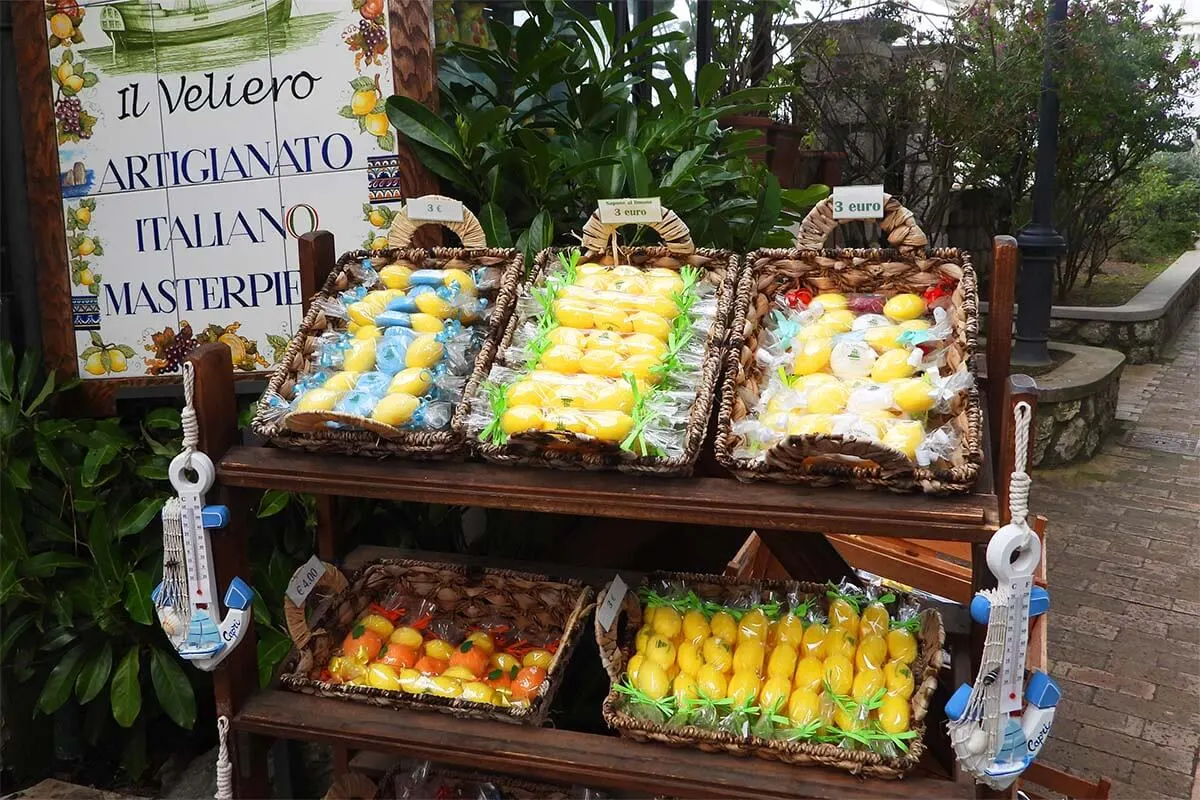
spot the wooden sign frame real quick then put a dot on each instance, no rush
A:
(413, 75)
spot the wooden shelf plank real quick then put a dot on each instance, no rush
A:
(562, 755)
(699, 500)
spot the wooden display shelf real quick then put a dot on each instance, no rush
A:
(700, 500)
(565, 756)
(778, 512)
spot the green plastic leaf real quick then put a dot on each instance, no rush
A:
(172, 687)
(62, 678)
(94, 675)
(495, 225)
(125, 693)
(137, 597)
(273, 501)
(422, 125)
(138, 517)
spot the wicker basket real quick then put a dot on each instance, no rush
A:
(824, 460)
(617, 646)
(311, 430)
(464, 594)
(566, 450)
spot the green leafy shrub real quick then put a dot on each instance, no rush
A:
(534, 132)
(1161, 215)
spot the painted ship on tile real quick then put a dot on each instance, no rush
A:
(145, 24)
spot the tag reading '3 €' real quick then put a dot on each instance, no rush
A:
(432, 208)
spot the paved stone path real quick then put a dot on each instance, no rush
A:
(1124, 550)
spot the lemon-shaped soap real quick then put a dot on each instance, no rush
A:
(806, 382)
(562, 358)
(572, 313)
(817, 330)
(913, 395)
(519, 419)
(811, 356)
(809, 424)
(653, 324)
(831, 300)
(839, 319)
(434, 304)
(426, 323)
(341, 381)
(891, 366)
(528, 392)
(466, 284)
(904, 306)
(883, 338)
(361, 313)
(359, 356)
(827, 398)
(395, 276)
(609, 426)
(610, 318)
(367, 332)
(413, 380)
(572, 337)
(893, 714)
(905, 436)
(851, 359)
(424, 352)
(395, 409)
(319, 399)
(602, 362)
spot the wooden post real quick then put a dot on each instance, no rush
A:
(414, 75)
(237, 676)
(1005, 258)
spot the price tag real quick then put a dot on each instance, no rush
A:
(858, 202)
(434, 209)
(606, 614)
(305, 579)
(631, 210)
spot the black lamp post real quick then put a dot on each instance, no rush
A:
(1040, 243)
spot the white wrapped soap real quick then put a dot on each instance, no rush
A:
(851, 359)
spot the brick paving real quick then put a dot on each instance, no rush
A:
(1124, 561)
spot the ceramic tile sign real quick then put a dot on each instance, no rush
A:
(197, 139)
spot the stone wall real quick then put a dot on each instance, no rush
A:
(1073, 429)
(1141, 342)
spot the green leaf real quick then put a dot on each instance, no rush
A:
(273, 647)
(100, 542)
(541, 231)
(126, 693)
(94, 461)
(8, 362)
(495, 225)
(273, 501)
(18, 473)
(68, 57)
(420, 124)
(683, 165)
(137, 597)
(94, 674)
(43, 565)
(62, 678)
(362, 84)
(347, 112)
(163, 418)
(767, 214)
(155, 470)
(139, 516)
(90, 79)
(637, 173)
(173, 688)
(11, 633)
(47, 390)
(386, 142)
(711, 76)
(128, 352)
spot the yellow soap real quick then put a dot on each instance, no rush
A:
(912, 395)
(319, 399)
(905, 436)
(395, 409)
(425, 351)
(891, 365)
(904, 307)
(413, 380)
(360, 356)
(812, 356)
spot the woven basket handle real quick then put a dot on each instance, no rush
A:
(352, 786)
(793, 452)
(332, 582)
(469, 230)
(597, 235)
(898, 223)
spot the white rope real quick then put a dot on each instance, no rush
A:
(224, 768)
(1019, 484)
(187, 417)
